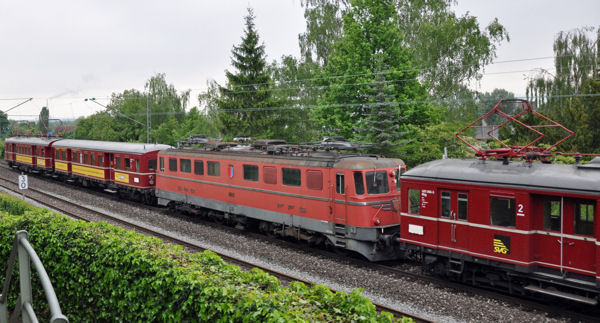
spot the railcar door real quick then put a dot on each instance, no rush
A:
(453, 224)
(340, 201)
(550, 239)
(579, 244)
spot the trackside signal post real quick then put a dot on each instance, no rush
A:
(23, 185)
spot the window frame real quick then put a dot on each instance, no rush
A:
(173, 164)
(512, 223)
(201, 168)
(250, 172)
(185, 165)
(213, 168)
(291, 176)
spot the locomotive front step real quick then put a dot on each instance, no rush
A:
(556, 293)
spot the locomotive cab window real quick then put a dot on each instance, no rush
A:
(584, 219)
(502, 211)
(339, 183)
(213, 168)
(414, 201)
(251, 173)
(198, 167)
(359, 184)
(291, 176)
(173, 164)
(185, 165)
(377, 182)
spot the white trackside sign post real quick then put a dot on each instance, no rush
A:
(23, 184)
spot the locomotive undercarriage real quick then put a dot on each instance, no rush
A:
(372, 243)
(509, 278)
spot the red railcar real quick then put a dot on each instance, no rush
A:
(129, 168)
(29, 153)
(349, 201)
(528, 226)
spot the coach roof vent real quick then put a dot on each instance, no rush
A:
(594, 163)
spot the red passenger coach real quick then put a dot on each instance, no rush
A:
(29, 153)
(348, 201)
(129, 168)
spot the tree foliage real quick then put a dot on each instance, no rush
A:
(448, 50)
(353, 78)
(243, 100)
(44, 120)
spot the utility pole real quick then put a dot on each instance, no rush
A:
(148, 118)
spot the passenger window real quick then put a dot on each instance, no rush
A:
(198, 167)
(93, 157)
(162, 164)
(502, 211)
(118, 163)
(127, 164)
(552, 215)
(100, 160)
(377, 182)
(414, 201)
(270, 175)
(291, 176)
(85, 158)
(339, 183)
(172, 164)
(185, 165)
(463, 204)
(584, 219)
(213, 168)
(64, 155)
(152, 164)
(445, 204)
(314, 179)
(359, 184)
(57, 154)
(251, 173)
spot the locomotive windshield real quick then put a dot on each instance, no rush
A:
(377, 182)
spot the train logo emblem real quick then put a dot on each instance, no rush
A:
(502, 244)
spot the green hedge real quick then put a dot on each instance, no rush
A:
(106, 273)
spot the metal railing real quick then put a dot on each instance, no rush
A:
(23, 249)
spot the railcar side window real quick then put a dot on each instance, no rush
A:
(151, 164)
(213, 168)
(463, 203)
(377, 182)
(100, 161)
(502, 211)
(414, 201)
(251, 173)
(291, 176)
(118, 163)
(270, 175)
(445, 204)
(85, 158)
(64, 155)
(162, 164)
(93, 158)
(128, 164)
(198, 167)
(552, 215)
(359, 184)
(185, 165)
(57, 154)
(339, 183)
(173, 164)
(584, 219)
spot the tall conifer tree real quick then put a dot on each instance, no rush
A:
(248, 91)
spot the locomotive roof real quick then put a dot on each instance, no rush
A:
(110, 146)
(576, 178)
(318, 159)
(38, 141)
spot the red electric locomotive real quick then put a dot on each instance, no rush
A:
(349, 201)
(522, 225)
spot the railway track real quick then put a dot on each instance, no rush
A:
(75, 210)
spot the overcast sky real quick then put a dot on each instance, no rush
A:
(60, 52)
